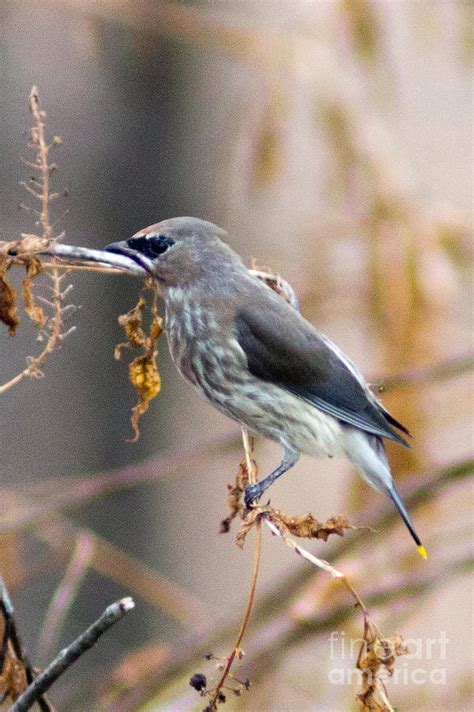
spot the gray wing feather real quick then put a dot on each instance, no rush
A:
(283, 348)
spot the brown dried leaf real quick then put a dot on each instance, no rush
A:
(143, 371)
(30, 244)
(306, 526)
(377, 658)
(132, 324)
(272, 280)
(249, 522)
(235, 499)
(12, 676)
(309, 527)
(380, 652)
(35, 312)
(143, 374)
(156, 328)
(8, 306)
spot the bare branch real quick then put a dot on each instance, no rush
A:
(13, 655)
(112, 614)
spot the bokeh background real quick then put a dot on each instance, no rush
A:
(333, 140)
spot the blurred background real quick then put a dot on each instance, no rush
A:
(333, 140)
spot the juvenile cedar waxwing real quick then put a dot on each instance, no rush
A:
(258, 360)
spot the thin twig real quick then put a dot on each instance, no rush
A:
(248, 448)
(12, 637)
(112, 614)
(248, 610)
(319, 563)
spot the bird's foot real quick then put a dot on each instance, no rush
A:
(252, 493)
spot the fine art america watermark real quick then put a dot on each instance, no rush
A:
(421, 665)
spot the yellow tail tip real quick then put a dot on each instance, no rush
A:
(422, 551)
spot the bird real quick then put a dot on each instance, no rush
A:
(259, 361)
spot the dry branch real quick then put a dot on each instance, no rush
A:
(41, 684)
(16, 672)
(23, 253)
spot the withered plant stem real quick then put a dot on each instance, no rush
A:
(55, 322)
(246, 618)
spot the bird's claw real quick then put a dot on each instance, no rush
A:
(252, 494)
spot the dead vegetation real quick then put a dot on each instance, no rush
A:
(377, 655)
(143, 370)
(143, 327)
(48, 313)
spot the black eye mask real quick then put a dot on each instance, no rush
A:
(150, 246)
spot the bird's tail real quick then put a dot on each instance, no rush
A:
(367, 454)
(398, 502)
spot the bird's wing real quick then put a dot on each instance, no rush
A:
(283, 348)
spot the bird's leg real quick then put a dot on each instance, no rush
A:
(253, 492)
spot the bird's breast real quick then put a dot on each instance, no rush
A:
(205, 352)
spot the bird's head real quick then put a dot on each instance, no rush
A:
(177, 251)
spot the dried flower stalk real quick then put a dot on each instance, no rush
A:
(51, 325)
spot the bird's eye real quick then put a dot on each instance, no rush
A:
(150, 246)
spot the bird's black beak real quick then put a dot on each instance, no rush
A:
(122, 248)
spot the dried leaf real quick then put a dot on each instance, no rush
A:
(156, 328)
(30, 243)
(382, 652)
(132, 325)
(143, 371)
(12, 676)
(36, 314)
(235, 500)
(249, 522)
(309, 527)
(8, 306)
(377, 658)
(306, 526)
(143, 374)
(276, 283)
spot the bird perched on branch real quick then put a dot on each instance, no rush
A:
(258, 360)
